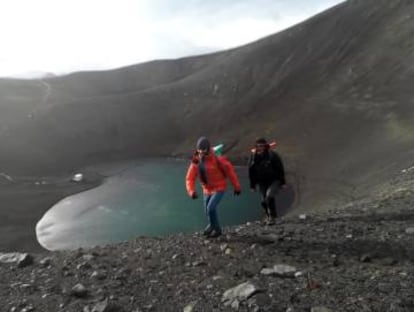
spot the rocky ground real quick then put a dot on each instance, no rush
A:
(354, 258)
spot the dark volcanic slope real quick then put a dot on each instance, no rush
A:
(335, 91)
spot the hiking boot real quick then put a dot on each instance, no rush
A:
(207, 231)
(271, 221)
(265, 220)
(214, 234)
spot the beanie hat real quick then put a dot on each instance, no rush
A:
(203, 144)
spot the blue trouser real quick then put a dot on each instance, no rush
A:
(210, 205)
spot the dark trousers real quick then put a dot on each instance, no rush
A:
(268, 192)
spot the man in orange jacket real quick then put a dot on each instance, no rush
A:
(213, 172)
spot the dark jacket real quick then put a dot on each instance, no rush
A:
(266, 168)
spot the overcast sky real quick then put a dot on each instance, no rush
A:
(61, 36)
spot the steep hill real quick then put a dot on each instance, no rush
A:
(335, 91)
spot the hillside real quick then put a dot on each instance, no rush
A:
(335, 91)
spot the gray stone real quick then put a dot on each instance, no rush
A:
(88, 257)
(190, 307)
(410, 231)
(46, 261)
(79, 291)
(106, 306)
(320, 309)
(298, 274)
(83, 266)
(267, 271)
(303, 216)
(28, 308)
(223, 247)
(235, 304)
(26, 286)
(240, 293)
(198, 263)
(98, 275)
(267, 238)
(21, 259)
(365, 258)
(78, 177)
(281, 270)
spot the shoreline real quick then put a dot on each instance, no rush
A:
(23, 204)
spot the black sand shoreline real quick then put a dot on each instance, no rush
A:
(22, 205)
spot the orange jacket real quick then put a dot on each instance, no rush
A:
(215, 167)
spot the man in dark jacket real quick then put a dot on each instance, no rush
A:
(266, 170)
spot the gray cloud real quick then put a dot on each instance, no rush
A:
(76, 35)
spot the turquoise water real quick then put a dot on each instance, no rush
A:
(146, 199)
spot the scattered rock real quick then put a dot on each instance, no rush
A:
(98, 275)
(320, 309)
(21, 259)
(303, 216)
(26, 286)
(88, 257)
(198, 263)
(28, 308)
(106, 306)
(235, 304)
(79, 291)
(298, 274)
(46, 262)
(223, 247)
(239, 293)
(365, 258)
(265, 239)
(83, 266)
(190, 307)
(259, 301)
(281, 270)
(410, 231)
(78, 177)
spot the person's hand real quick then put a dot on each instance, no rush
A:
(237, 192)
(194, 195)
